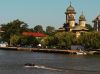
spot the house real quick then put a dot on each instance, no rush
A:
(77, 47)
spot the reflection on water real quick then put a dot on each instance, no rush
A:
(12, 62)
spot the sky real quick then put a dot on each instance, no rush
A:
(46, 12)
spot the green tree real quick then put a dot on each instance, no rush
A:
(60, 40)
(50, 30)
(90, 40)
(15, 27)
(38, 28)
(65, 39)
(89, 27)
(29, 40)
(14, 40)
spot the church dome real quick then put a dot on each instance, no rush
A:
(82, 18)
(70, 9)
(98, 17)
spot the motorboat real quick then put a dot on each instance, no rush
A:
(29, 65)
(81, 52)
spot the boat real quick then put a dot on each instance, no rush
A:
(29, 65)
(81, 52)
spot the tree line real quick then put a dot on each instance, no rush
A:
(13, 36)
(13, 33)
(64, 40)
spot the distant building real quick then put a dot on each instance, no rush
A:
(77, 47)
(34, 34)
(96, 22)
(70, 25)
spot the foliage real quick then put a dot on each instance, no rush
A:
(91, 40)
(29, 40)
(13, 28)
(66, 39)
(89, 27)
(60, 40)
(14, 40)
(13, 35)
(38, 28)
(50, 30)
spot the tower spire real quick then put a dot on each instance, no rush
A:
(82, 12)
(70, 3)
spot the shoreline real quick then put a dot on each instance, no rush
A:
(63, 51)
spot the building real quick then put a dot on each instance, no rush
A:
(96, 22)
(71, 25)
(34, 34)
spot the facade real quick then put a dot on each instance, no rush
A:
(70, 25)
(96, 22)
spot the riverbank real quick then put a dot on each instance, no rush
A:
(50, 50)
(36, 50)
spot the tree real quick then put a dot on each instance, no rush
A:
(89, 27)
(60, 40)
(65, 39)
(29, 40)
(50, 30)
(14, 40)
(15, 27)
(38, 28)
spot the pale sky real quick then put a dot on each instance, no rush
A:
(46, 12)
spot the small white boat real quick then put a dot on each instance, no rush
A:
(81, 53)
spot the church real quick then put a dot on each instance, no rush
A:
(70, 25)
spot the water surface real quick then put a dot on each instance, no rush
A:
(12, 62)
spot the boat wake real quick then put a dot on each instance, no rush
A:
(42, 67)
(55, 69)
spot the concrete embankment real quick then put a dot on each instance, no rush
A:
(47, 50)
(40, 50)
(8, 48)
(44, 50)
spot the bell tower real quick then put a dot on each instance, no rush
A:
(70, 11)
(82, 20)
(70, 17)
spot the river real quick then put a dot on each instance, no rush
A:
(13, 62)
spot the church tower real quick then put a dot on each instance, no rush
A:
(82, 20)
(70, 16)
(96, 22)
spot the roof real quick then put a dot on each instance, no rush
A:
(34, 34)
(82, 17)
(79, 28)
(61, 29)
(70, 9)
(97, 18)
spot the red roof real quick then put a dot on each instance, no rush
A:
(35, 34)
